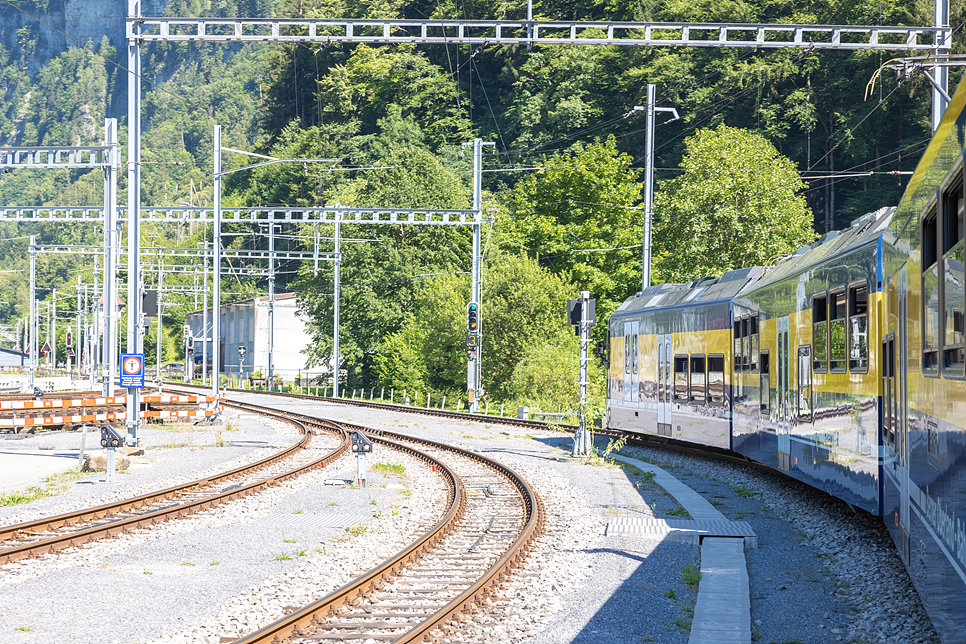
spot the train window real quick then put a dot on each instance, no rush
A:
(744, 343)
(716, 367)
(765, 385)
(953, 293)
(737, 351)
(820, 333)
(859, 328)
(753, 350)
(838, 351)
(634, 353)
(805, 384)
(627, 354)
(698, 382)
(930, 294)
(680, 379)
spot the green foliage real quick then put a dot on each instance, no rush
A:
(735, 205)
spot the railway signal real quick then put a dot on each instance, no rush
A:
(473, 318)
(69, 339)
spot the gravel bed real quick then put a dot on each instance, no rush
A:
(821, 573)
(224, 572)
(173, 454)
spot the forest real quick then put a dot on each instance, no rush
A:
(773, 149)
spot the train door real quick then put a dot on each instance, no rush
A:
(631, 363)
(894, 410)
(783, 410)
(664, 384)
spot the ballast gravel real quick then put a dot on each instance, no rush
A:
(820, 574)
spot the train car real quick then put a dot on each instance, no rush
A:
(806, 400)
(923, 437)
(671, 359)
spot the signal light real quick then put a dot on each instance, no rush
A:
(69, 340)
(472, 318)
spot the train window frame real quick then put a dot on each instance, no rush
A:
(805, 388)
(710, 398)
(952, 351)
(736, 345)
(764, 384)
(681, 359)
(753, 322)
(833, 367)
(745, 343)
(929, 231)
(701, 387)
(862, 364)
(627, 353)
(820, 365)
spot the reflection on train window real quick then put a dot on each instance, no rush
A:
(634, 353)
(765, 385)
(836, 332)
(737, 349)
(953, 293)
(820, 333)
(930, 294)
(805, 383)
(716, 367)
(753, 350)
(932, 433)
(744, 343)
(681, 379)
(859, 328)
(627, 354)
(697, 379)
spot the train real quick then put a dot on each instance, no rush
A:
(842, 366)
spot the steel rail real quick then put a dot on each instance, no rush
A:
(314, 614)
(85, 535)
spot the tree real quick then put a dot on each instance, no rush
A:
(577, 216)
(735, 204)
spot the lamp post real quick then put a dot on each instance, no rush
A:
(241, 361)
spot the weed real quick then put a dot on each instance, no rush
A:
(298, 511)
(682, 623)
(333, 503)
(742, 491)
(30, 494)
(800, 537)
(842, 584)
(147, 572)
(690, 575)
(231, 427)
(756, 632)
(24, 628)
(792, 640)
(715, 502)
(630, 469)
(389, 468)
(528, 436)
(647, 638)
(670, 594)
(372, 501)
(283, 557)
(677, 512)
(647, 477)
(187, 563)
(213, 563)
(289, 540)
(740, 515)
(301, 552)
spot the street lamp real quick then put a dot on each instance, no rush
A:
(241, 361)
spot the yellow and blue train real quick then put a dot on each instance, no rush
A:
(842, 366)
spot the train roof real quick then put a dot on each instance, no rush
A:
(865, 230)
(706, 289)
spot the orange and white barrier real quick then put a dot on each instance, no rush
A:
(37, 421)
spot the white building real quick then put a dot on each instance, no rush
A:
(245, 324)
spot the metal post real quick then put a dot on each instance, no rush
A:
(204, 323)
(134, 276)
(77, 331)
(648, 187)
(582, 442)
(337, 294)
(53, 333)
(474, 367)
(940, 72)
(271, 306)
(95, 329)
(110, 257)
(33, 311)
(315, 270)
(158, 347)
(216, 267)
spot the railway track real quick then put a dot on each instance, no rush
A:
(43, 536)
(491, 523)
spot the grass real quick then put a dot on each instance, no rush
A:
(800, 537)
(289, 540)
(147, 572)
(301, 552)
(670, 594)
(741, 515)
(213, 563)
(389, 468)
(26, 496)
(691, 575)
(630, 469)
(187, 563)
(298, 511)
(23, 628)
(677, 512)
(358, 529)
(283, 557)
(742, 491)
(51, 486)
(715, 502)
